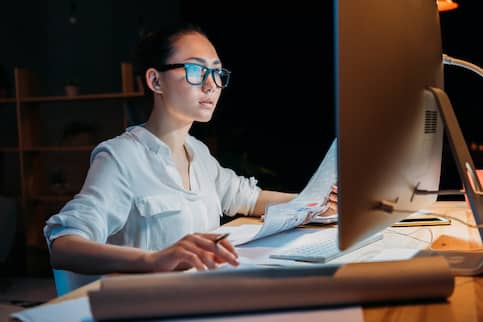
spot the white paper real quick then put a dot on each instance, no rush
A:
(78, 310)
(349, 314)
(320, 185)
(258, 252)
(288, 215)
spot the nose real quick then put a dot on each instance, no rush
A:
(209, 84)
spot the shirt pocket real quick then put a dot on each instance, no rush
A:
(159, 205)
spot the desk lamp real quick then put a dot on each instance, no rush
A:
(446, 5)
(448, 60)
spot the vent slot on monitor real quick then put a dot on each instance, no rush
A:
(430, 122)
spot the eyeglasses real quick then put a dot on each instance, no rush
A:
(197, 74)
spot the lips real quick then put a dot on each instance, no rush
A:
(206, 103)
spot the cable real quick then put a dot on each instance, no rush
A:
(413, 237)
(459, 220)
(389, 207)
(431, 238)
(448, 60)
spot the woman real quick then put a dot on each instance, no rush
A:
(152, 193)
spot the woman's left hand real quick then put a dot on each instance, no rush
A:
(329, 209)
(332, 202)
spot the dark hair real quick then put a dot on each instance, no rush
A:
(155, 48)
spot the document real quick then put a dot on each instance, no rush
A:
(78, 310)
(285, 216)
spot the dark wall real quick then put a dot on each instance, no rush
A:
(276, 119)
(22, 34)
(461, 34)
(40, 35)
(279, 108)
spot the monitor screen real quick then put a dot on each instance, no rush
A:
(388, 126)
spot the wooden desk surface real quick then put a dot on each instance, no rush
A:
(465, 304)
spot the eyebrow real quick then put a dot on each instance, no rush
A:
(204, 61)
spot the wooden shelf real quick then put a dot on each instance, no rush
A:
(60, 148)
(39, 148)
(7, 100)
(9, 149)
(476, 147)
(10, 194)
(85, 97)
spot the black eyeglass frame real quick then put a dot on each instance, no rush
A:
(208, 71)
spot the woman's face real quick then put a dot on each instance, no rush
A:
(185, 101)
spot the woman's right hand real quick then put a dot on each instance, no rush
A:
(193, 250)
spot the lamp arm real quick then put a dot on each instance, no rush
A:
(448, 60)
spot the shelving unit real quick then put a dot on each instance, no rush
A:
(476, 150)
(44, 152)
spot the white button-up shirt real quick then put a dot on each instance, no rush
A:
(133, 194)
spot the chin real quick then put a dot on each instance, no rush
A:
(205, 115)
(204, 119)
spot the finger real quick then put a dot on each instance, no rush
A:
(309, 217)
(192, 259)
(226, 243)
(333, 198)
(333, 211)
(330, 212)
(206, 257)
(218, 249)
(332, 205)
(335, 189)
(327, 211)
(225, 255)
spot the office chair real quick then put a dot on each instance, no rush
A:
(67, 281)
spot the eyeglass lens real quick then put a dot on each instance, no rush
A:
(197, 74)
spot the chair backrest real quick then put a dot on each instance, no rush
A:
(66, 281)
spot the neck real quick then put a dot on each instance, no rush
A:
(171, 131)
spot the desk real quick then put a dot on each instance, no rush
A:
(465, 304)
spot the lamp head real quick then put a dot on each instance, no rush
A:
(446, 5)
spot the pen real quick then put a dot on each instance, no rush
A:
(220, 238)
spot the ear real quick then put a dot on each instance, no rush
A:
(153, 80)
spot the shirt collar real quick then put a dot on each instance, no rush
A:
(153, 143)
(149, 140)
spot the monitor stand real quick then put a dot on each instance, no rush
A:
(461, 262)
(461, 154)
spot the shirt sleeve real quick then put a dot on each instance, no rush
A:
(238, 194)
(102, 206)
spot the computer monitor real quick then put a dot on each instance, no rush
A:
(389, 129)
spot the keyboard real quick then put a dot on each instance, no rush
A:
(319, 247)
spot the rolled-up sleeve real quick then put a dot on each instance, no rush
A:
(238, 194)
(102, 206)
